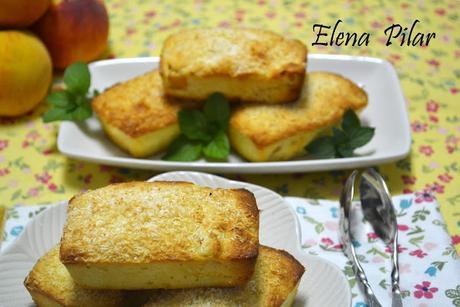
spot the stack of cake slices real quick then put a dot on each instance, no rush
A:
(163, 244)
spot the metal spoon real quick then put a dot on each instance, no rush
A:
(346, 200)
(378, 210)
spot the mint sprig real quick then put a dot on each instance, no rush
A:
(73, 103)
(343, 141)
(202, 132)
(219, 147)
(183, 149)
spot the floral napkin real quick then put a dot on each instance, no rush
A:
(429, 265)
(16, 219)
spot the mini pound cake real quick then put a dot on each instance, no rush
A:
(280, 132)
(274, 283)
(243, 64)
(148, 235)
(137, 116)
(50, 284)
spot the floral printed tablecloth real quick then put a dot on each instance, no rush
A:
(33, 171)
(429, 265)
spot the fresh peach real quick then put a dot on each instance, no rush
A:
(21, 13)
(74, 30)
(25, 72)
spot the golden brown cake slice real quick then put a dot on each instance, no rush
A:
(274, 283)
(147, 235)
(243, 64)
(50, 284)
(137, 116)
(280, 132)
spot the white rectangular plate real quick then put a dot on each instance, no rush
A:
(386, 112)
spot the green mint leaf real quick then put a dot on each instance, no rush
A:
(182, 149)
(77, 78)
(218, 148)
(217, 110)
(193, 125)
(59, 99)
(342, 143)
(203, 132)
(81, 100)
(55, 114)
(339, 136)
(361, 136)
(322, 147)
(71, 104)
(82, 112)
(344, 150)
(350, 121)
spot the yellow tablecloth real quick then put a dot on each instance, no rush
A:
(33, 171)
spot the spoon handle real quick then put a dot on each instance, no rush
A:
(346, 200)
(359, 272)
(396, 297)
(396, 300)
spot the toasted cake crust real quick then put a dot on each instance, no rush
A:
(50, 284)
(138, 222)
(137, 115)
(145, 235)
(324, 100)
(244, 64)
(274, 282)
(137, 106)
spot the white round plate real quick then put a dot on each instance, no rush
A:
(323, 284)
